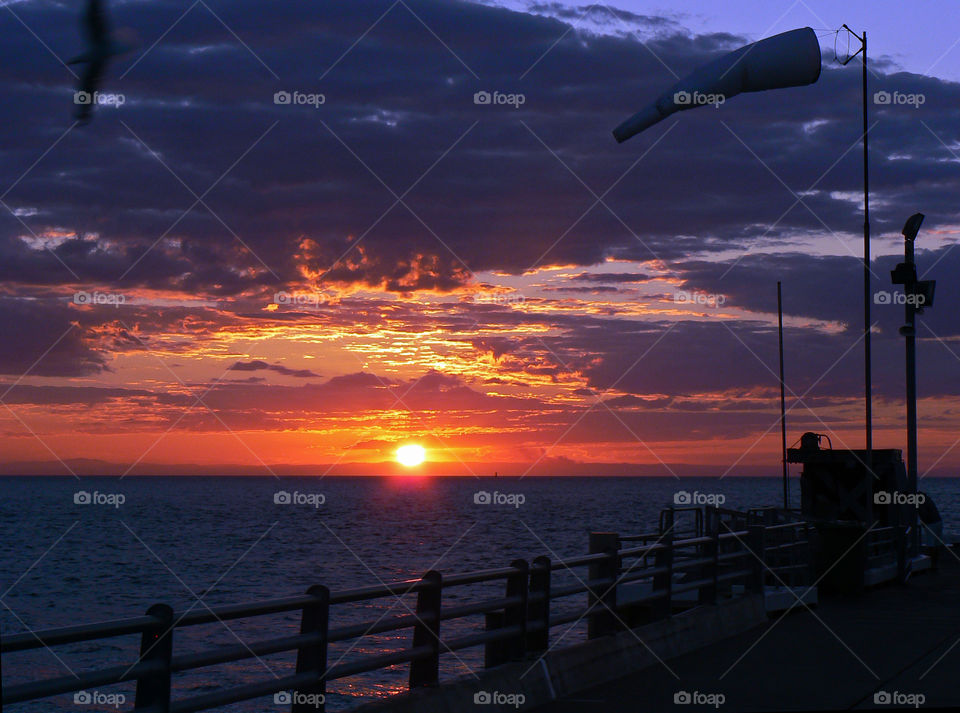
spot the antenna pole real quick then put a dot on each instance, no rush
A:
(783, 407)
(867, 366)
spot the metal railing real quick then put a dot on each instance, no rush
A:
(788, 554)
(886, 546)
(516, 624)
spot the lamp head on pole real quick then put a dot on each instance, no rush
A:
(912, 226)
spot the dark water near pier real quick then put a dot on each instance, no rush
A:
(225, 540)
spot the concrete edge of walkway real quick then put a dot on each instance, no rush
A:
(569, 670)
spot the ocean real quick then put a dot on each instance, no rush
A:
(79, 551)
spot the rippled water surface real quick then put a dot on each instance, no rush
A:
(197, 542)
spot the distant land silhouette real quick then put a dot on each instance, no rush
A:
(546, 467)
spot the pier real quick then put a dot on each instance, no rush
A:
(703, 576)
(882, 649)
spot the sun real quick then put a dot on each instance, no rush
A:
(411, 455)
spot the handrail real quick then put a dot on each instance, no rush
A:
(74, 634)
(672, 572)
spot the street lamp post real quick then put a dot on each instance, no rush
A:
(918, 294)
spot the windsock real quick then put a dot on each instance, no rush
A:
(791, 59)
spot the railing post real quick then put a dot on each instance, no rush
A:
(156, 646)
(755, 541)
(426, 632)
(494, 652)
(538, 611)
(900, 542)
(516, 615)
(785, 540)
(602, 598)
(708, 594)
(663, 559)
(798, 557)
(313, 657)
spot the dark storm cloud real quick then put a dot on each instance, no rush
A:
(739, 358)
(831, 288)
(612, 277)
(52, 335)
(603, 14)
(291, 208)
(41, 339)
(596, 290)
(80, 395)
(258, 365)
(357, 393)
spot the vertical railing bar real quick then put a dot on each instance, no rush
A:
(516, 615)
(755, 542)
(156, 645)
(716, 561)
(426, 632)
(602, 597)
(539, 611)
(664, 559)
(313, 657)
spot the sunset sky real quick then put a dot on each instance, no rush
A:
(205, 279)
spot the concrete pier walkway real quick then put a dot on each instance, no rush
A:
(899, 640)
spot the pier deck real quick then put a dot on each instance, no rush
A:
(894, 638)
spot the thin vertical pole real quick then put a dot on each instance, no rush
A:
(783, 405)
(911, 332)
(867, 365)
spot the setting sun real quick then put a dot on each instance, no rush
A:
(411, 455)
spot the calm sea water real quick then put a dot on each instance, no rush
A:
(196, 542)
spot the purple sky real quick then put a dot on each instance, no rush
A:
(922, 37)
(501, 283)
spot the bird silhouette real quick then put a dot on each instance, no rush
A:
(101, 47)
